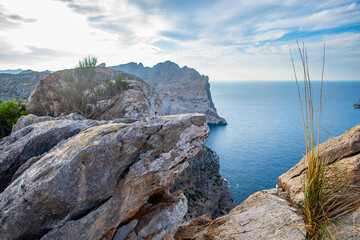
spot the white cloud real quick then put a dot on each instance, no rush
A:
(223, 39)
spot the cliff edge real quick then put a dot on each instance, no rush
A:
(182, 90)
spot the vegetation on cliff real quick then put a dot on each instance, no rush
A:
(326, 190)
(82, 94)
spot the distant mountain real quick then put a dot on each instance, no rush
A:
(19, 85)
(182, 90)
(26, 71)
(11, 71)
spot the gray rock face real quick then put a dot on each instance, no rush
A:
(33, 141)
(100, 179)
(207, 192)
(139, 101)
(341, 152)
(182, 90)
(263, 215)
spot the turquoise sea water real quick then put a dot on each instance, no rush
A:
(264, 137)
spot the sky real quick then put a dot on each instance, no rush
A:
(224, 39)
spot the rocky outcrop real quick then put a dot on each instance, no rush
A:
(107, 179)
(341, 152)
(139, 101)
(341, 156)
(263, 215)
(207, 192)
(189, 229)
(182, 90)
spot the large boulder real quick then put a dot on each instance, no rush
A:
(182, 90)
(341, 153)
(207, 192)
(139, 101)
(264, 215)
(29, 141)
(341, 158)
(111, 176)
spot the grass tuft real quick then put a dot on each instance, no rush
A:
(328, 192)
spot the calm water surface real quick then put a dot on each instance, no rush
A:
(264, 137)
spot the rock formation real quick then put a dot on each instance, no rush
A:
(206, 191)
(182, 90)
(102, 180)
(139, 101)
(263, 215)
(341, 152)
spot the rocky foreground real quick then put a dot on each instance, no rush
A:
(102, 180)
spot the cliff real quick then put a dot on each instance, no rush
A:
(182, 90)
(74, 178)
(206, 191)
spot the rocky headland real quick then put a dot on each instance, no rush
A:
(119, 175)
(132, 172)
(182, 90)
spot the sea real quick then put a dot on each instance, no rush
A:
(264, 137)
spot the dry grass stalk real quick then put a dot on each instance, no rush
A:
(329, 193)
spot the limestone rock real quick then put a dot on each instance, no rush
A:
(182, 90)
(101, 179)
(163, 217)
(263, 215)
(27, 142)
(189, 229)
(347, 228)
(139, 101)
(207, 192)
(341, 152)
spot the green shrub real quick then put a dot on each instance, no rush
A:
(10, 112)
(80, 88)
(120, 83)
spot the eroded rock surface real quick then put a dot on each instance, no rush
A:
(207, 192)
(182, 90)
(139, 101)
(263, 215)
(341, 152)
(101, 179)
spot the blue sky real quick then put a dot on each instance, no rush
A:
(224, 39)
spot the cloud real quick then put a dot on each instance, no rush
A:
(210, 35)
(324, 19)
(33, 54)
(18, 18)
(8, 21)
